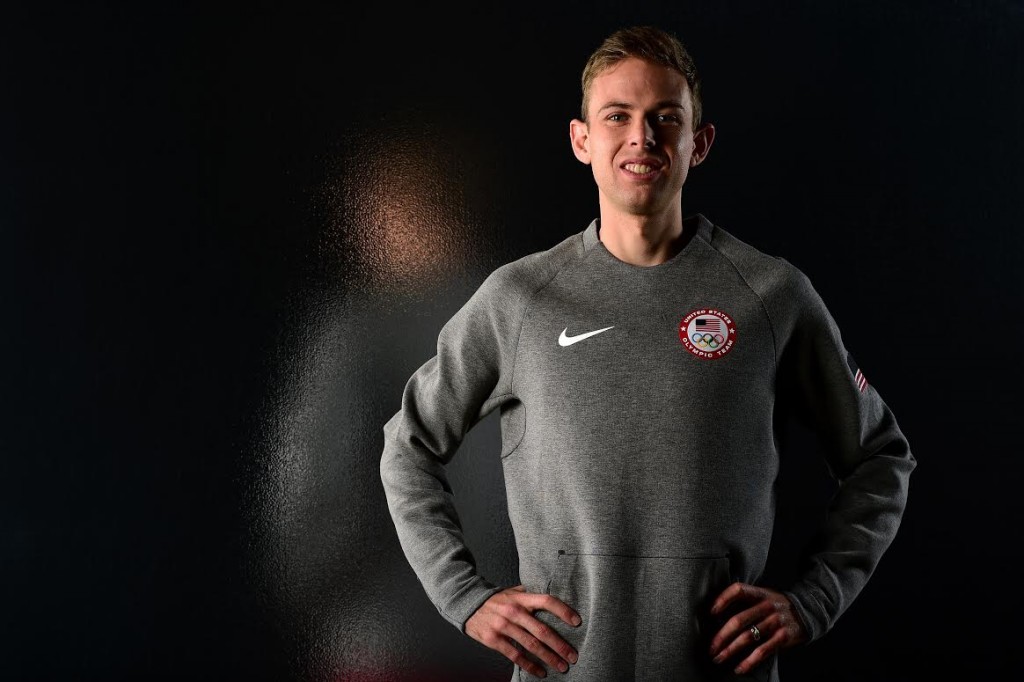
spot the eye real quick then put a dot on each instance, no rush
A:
(617, 117)
(668, 118)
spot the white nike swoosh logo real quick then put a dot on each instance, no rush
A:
(564, 340)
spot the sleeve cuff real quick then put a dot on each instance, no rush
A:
(461, 608)
(812, 626)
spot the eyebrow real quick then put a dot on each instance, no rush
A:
(664, 104)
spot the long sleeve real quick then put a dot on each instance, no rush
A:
(820, 383)
(469, 377)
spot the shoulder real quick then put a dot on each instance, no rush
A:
(770, 276)
(787, 295)
(516, 281)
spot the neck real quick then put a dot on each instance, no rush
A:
(643, 240)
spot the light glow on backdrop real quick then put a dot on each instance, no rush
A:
(395, 230)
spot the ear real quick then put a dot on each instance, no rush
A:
(702, 140)
(579, 136)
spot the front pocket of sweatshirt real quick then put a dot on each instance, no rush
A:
(644, 617)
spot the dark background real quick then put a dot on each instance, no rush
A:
(232, 231)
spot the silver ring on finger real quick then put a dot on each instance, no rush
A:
(755, 633)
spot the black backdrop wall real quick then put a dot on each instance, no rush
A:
(232, 231)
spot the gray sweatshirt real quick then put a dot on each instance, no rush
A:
(640, 415)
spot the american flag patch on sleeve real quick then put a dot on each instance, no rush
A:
(858, 376)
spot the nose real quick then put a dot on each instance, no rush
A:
(643, 133)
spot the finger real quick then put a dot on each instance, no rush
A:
(534, 645)
(736, 631)
(562, 610)
(766, 648)
(736, 592)
(532, 601)
(550, 637)
(509, 651)
(548, 602)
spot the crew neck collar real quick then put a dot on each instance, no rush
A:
(696, 223)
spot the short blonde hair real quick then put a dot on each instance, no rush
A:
(651, 44)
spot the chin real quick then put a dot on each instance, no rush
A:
(647, 207)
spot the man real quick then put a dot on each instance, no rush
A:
(643, 368)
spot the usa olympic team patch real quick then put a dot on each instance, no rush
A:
(707, 333)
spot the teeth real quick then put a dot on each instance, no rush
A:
(638, 168)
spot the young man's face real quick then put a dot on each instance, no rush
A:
(640, 140)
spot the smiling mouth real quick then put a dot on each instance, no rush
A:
(639, 168)
(642, 169)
